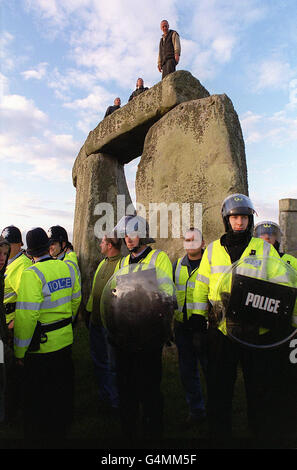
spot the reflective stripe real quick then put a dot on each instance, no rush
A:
(67, 261)
(22, 343)
(8, 296)
(209, 253)
(177, 271)
(39, 274)
(162, 280)
(218, 269)
(197, 305)
(181, 287)
(1, 352)
(46, 304)
(76, 295)
(202, 278)
(27, 306)
(154, 258)
(191, 284)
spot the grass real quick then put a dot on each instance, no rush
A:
(94, 429)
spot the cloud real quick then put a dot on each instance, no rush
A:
(274, 74)
(37, 73)
(7, 61)
(278, 128)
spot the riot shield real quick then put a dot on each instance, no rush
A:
(137, 307)
(256, 302)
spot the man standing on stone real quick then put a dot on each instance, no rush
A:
(116, 105)
(169, 50)
(139, 89)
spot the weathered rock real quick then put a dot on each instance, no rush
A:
(98, 179)
(288, 225)
(193, 154)
(122, 133)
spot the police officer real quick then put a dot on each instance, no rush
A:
(285, 384)
(190, 328)
(48, 300)
(139, 373)
(271, 232)
(4, 347)
(61, 248)
(17, 262)
(224, 354)
(101, 351)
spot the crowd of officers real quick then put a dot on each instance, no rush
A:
(42, 297)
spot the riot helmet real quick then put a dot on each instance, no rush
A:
(134, 226)
(267, 227)
(37, 242)
(237, 204)
(12, 234)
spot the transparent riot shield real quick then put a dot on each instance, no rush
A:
(256, 302)
(137, 306)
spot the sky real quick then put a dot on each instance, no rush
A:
(64, 61)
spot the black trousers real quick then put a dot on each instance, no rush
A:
(48, 395)
(168, 67)
(139, 377)
(260, 375)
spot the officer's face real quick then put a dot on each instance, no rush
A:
(193, 243)
(239, 222)
(55, 248)
(131, 241)
(270, 238)
(117, 102)
(4, 249)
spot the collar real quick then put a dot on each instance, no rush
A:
(15, 257)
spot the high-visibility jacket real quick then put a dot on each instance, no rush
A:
(185, 289)
(290, 259)
(216, 261)
(13, 273)
(71, 257)
(155, 258)
(106, 268)
(49, 292)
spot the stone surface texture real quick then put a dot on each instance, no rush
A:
(194, 154)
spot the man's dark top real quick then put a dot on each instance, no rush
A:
(111, 109)
(166, 48)
(137, 92)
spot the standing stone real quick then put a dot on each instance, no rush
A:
(193, 154)
(98, 179)
(288, 225)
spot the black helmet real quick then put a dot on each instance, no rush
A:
(12, 234)
(134, 224)
(57, 234)
(268, 227)
(237, 204)
(37, 242)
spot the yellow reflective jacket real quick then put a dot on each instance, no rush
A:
(13, 273)
(185, 290)
(49, 292)
(216, 261)
(290, 259)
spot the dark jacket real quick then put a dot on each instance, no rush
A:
(137, 92)
(111, 109)
(166, 48)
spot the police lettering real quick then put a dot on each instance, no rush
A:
(58, 284)
(262, 303)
